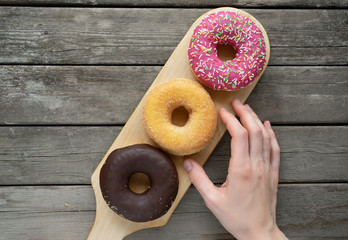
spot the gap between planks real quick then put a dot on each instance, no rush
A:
(175, 4)
(318, 183)
(275, 124)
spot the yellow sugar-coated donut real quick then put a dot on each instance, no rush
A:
(200, 127)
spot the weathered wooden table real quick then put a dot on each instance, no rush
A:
(71, 74)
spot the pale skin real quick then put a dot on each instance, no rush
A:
(245, 204)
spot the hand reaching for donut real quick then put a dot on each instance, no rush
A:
(246, 203)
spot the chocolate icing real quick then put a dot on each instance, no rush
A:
(121, 164)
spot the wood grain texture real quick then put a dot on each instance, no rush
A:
(109, 94)
(305, 211)
(149, 35)
(183, 3)
(63, 95)
(68, 155)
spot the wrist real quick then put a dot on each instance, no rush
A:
(274, 234)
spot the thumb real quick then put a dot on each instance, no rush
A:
(200, 179)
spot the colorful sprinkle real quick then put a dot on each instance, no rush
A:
(227, 27)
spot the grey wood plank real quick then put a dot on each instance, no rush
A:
(109, 94)
(305, 211)
(148, 36)
(52, 155)
(184, 3)
(306, 154)
(45, 199)
(69, 155)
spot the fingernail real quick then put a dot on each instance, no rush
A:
(237, 101)
(188, 165)
(223, 109)
(248, 107)
(268, 124)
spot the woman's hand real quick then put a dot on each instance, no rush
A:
(246, 203)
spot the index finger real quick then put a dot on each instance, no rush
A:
(239, 141)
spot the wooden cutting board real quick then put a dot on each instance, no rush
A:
(108, 225)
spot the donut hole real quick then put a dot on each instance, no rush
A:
(139, 183)
(180, 116)
(226, 52)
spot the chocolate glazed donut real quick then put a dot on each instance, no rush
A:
(121, 164)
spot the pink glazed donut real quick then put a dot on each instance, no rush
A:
(226, 27)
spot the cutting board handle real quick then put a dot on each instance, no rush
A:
(101, 230)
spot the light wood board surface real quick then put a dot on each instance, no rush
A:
(109, 225)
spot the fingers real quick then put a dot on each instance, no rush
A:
(254, 131)
(275, 162)
(200, 179)
(239, 141)
(275, 150)
(266, 143)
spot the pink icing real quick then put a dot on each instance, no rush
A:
(226, 27)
